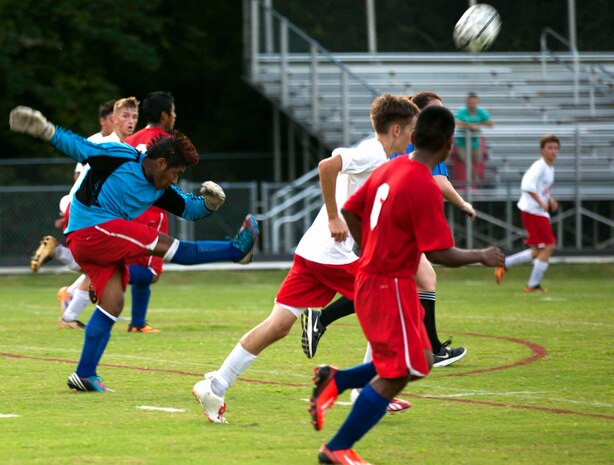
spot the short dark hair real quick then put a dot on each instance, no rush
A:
(387, 109)
(434, 128)
(472, 94)
(176, 148)
(422, 99)
(106, 108)
(548, 138)
(155, 104)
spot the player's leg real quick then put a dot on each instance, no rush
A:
(426, 282)
(239, 250)
(98, 333)
(540, 265)
(79, 301)
(141, 278)
(210, 392)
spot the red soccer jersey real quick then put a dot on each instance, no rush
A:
(140, 139)
(401, 208)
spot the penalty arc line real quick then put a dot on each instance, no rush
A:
(539, 352)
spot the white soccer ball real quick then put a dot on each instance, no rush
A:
(477, 29)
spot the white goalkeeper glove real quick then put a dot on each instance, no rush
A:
(32, 122)
(214, 195)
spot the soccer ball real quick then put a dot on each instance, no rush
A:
(477, 29)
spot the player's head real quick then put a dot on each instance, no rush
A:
(125, 116)
(426, 98)
(105, 117)
(434, 131)
(549, 146)
(393, 118)
(159, 108)
(171, 156)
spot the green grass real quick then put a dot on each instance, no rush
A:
(558, 409)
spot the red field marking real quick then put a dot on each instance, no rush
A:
(538, 351)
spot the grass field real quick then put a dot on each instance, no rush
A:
(537, 386)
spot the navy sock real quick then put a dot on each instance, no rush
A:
(192, 253)
(140, 280)
(367, 411)
(355, 377)
(97, 334)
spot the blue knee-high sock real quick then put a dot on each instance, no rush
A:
(140, 280)
(367, 411)
(355, 377)
(97, 334)
(192, 253)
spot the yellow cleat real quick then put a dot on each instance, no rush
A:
(44, 253)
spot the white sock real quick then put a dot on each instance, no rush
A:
(64, 256)
(539, 268)
(80, 300)
(518, 258)
(236, 363)
(76, 284)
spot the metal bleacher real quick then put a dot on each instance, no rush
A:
(529, 94)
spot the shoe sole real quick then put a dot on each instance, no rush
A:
(450, 361)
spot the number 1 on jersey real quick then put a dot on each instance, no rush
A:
(380, 197)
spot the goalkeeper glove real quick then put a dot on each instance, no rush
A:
(29, 121)
(213, 194)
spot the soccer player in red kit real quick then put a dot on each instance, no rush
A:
(158, 108)
(396, 216)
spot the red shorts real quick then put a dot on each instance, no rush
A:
(103, 249)
(392, 320)
(158, 219)
(539, 230)
(311, 284)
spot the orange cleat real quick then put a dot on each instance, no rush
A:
(324, 395)
(499, 272)
(344, 457)
(537, 288)
(142, 329)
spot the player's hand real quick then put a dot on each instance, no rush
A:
(468, 210)
(554, 205)
(492, 256)
(338, 229)
(214, 195)
(32, 122)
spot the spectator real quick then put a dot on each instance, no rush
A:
(472, 118)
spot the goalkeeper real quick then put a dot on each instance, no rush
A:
(121, 184)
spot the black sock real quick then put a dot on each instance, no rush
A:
(427, 299)
(338, 309)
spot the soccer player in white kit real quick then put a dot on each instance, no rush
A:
(324, 263)
(535, 202)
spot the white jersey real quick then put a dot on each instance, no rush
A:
(538, 179)
(358, 163)
(82, 168)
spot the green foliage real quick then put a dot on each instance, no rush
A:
(557, 409)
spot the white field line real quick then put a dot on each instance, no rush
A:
(534, 321)
(8, 415)
(161, 409)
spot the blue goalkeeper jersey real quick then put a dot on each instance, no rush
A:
(116, 186)
(440, 168)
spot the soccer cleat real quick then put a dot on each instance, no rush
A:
(398, 406)
(44, 253)
(447, 356)
(63, 324)
(245, 239)
(142, 329)
(214, 405)
(499, 272)
(89, 384)
(344, 457)
(313, 330)
(65, 298)
(395, 406)
(537, 288)
(324, 395)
